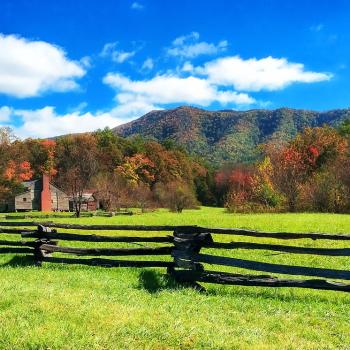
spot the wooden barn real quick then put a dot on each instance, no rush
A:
(40, 195)
(88, 201)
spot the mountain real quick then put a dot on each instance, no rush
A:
(227, 135)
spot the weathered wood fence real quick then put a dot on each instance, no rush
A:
(181, 252)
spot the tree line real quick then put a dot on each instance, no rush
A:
(119, 171)
(309, 173)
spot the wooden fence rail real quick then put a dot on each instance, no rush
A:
(106, 251)
(181, 250)
(181, 229)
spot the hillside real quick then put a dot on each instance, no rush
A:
(229, 136)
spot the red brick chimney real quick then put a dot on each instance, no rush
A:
(46, 194)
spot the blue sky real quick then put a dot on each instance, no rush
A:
(73, 66)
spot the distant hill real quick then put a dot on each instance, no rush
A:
(227, 135)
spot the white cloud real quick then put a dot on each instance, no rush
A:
(45, 122)
(122, 56)
(258, 74)
(5, 113)
(132, 110)
(188, 46)
(108, 49)
(181, 40)
(148, 64)
(218, 81)
(137, 6)
(29, 68)
(118, 56)
(167, 89)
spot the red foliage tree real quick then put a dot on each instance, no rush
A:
(295, 163)
(235, 186)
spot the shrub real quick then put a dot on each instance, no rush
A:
(176, 196)
(325, 193)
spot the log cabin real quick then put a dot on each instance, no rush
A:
(39, 195)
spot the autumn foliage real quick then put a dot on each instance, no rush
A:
(120, 172)
(18, 171)
(307, 173)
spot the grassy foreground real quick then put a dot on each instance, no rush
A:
(77, 307)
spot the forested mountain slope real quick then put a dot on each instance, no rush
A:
(227, 135)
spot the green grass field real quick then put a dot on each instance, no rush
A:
(77, 307)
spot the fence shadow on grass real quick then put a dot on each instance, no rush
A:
(20, 261)
(14, 250)
(155, 281)
(281, 295)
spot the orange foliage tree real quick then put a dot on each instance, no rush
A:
(136, 169)
(49, 149)
(18, 172)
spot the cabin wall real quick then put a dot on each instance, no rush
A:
(32, 199)
(90, 205)
(59, 200)
(24, 201)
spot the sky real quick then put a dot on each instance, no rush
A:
(74, 66)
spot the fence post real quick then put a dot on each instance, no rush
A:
(40, 254)
(188, 241)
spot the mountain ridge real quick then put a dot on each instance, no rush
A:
(227, 135)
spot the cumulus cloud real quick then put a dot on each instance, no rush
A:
(258, 74)
(45, 122)
(118, 56)
(132, 110)
(137, 6)
(29, 68)
(224, 81)
(189, 46)
(167, 89)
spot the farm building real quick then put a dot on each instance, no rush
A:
(39, 195)
(88, 201)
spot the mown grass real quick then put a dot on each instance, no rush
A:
(79, 307)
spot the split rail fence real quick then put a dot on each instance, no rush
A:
(180, 251)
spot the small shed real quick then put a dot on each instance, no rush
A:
(88, 203)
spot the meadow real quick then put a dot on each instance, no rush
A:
(78, 307)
